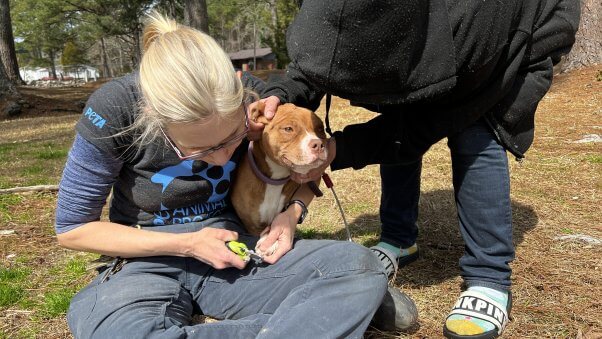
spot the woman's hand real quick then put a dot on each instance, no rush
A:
(209, 246)
(280, 235)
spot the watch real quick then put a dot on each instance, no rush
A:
(303, 209)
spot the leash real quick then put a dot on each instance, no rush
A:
(330, 185)
(312, 185)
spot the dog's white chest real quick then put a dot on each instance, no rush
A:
(272, 204)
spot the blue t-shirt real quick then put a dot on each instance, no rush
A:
(151, 185)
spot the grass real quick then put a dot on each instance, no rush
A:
(52, 287)
(35, 155)
(8, 202)
(37, 164)
(555, 191)
(68, 278)
(594, 158)
(49, 152)
(12, 285)
(56, 303)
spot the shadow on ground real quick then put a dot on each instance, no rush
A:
(439, 237)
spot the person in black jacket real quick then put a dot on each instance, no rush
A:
(471, 71)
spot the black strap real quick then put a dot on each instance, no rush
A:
(315, 189)
(327, 120)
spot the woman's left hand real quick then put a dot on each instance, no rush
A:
(281, 234)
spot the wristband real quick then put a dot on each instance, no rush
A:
(303, 209)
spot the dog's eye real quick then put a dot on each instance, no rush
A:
(288, 129)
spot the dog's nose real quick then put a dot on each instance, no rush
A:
(316, 146)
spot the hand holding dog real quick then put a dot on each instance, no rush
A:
(209, 246)
(267, 107)
(279, 238)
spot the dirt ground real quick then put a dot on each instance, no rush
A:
(557, 283)
(55, 101)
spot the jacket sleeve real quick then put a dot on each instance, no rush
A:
(294, 88)
(382, 140)
(363, 144)
(252, 82)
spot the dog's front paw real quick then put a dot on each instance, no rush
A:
(271, 250)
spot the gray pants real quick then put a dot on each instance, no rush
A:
(320, 289)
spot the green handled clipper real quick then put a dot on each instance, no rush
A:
(243, 251)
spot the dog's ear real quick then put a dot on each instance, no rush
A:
(257, 113)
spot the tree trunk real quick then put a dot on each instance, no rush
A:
(6, 86)
(587, 50)
(7, 44)
(9, 105)
(171, 8)
(274, 11)
(195, 14)
(121, 68)
(137, 55)
(51, 57)
(106, 72)
(254, 44)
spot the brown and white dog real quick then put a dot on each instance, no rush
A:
(294, 140)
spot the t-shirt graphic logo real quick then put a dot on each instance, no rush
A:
(216, 184)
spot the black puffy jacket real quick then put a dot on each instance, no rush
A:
(431, 67)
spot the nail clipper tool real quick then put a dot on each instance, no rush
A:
(244, 252)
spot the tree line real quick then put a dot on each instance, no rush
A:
(106, 33)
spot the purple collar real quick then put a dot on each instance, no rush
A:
(261, 176)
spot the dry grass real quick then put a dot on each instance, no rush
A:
(555, 191)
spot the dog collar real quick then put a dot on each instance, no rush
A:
(261, 176)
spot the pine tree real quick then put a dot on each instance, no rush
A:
(7, 44)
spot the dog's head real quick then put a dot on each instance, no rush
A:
(294, 138)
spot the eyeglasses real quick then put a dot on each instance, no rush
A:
(204, 153)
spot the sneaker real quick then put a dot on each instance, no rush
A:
(396, 313)
(408, 256)
(393, 262)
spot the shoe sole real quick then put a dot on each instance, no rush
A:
(408, 259)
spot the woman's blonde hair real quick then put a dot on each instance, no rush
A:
(185, 76)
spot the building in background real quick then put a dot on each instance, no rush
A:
(243, 59)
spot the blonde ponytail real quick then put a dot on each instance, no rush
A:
(157, 25)
(185, 76)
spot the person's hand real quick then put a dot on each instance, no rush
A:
(280, 236)
(264, 107)
(316, 173)
(271, 105)
(209, 246)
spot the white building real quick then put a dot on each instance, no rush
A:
(84, 72)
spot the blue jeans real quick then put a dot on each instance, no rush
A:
(320, 289)
(482, 193)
